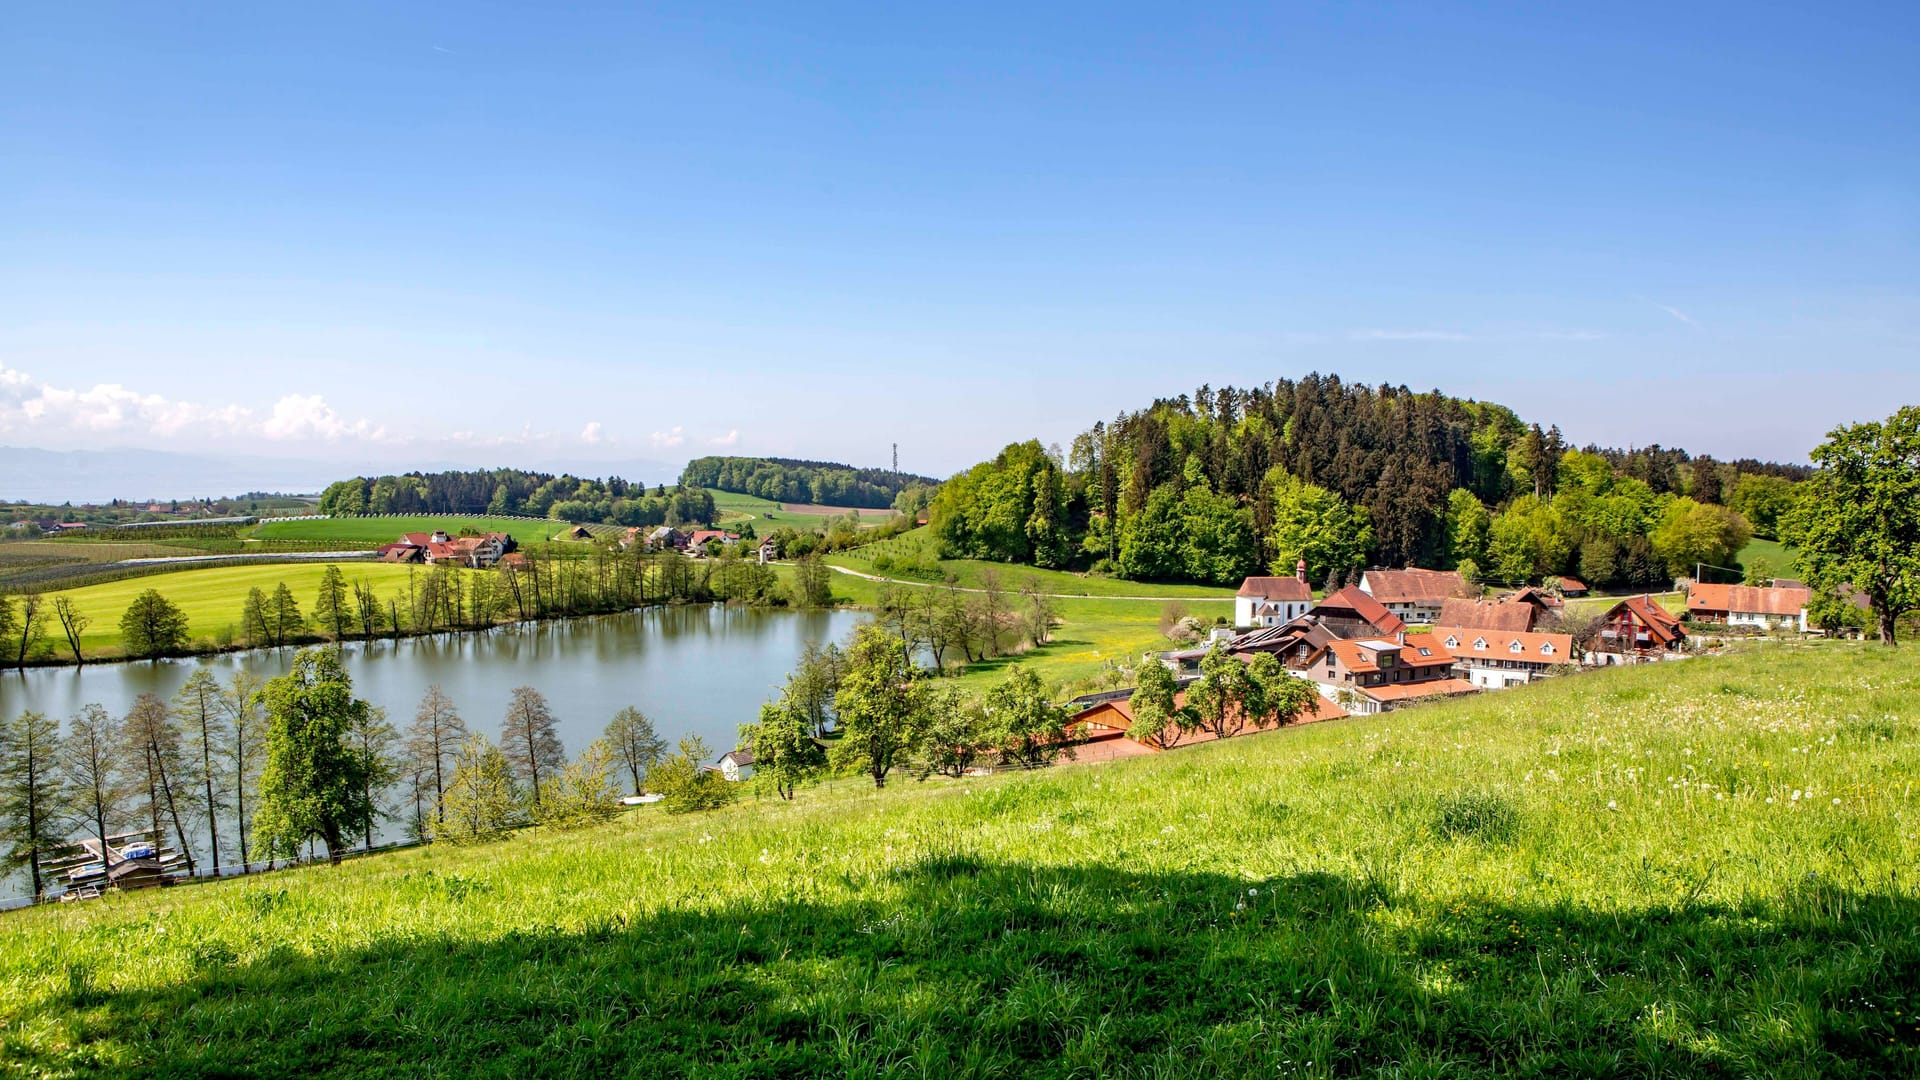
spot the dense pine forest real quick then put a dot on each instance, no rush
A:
(517, 491)
(1227, 482)
(827, 483)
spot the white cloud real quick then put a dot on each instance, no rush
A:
(591, 433)
(729, 439)
(1678, 314)
(673, 436)
(109, 410)
(308, 416)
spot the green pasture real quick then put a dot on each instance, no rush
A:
(1681, 870)
(372, 531)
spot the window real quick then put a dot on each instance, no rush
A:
(1514, 646)
(1452, 642)
(1479, 643)
(1546, 648)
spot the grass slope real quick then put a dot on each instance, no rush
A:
(915, 548)
(1684, 870)
(373, 531)
(732, 510)
(213, 596)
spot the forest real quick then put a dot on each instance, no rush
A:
(789, 480)
(517, 491)
(1223, 483)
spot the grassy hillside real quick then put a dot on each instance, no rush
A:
(212, 596)
(373, 531)
(734, 510)
(910, 557)
(1694, 869)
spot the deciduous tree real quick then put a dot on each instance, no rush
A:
(331, 608)
(29, 793)
(90, 772)
(435, 736)
(314, 783)
(1157, 718)
(877, 704)
(530, 739)
(481, 798)
(636, 744)
(200, 714)
(784, 753)
(73, 623)
(584, 792)
(155, 761)
(1857, 526)
(1031, 730)
(153, 626)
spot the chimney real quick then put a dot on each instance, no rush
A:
(1400, 637)
(1300, 569)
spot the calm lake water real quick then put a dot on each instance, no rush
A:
(694, 670)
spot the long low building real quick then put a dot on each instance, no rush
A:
(1497, 659)
(1774, 607)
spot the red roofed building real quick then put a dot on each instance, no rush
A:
(1374, 675)
(1634, 630)
(1486, 614)
(1413, 594)
(1775, 608)
(1271, 601)
(1352, 613)
(697, 543)
(1107, 722)
(1497, 659)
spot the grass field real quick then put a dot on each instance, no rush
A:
(373, 531)
(1697, 869)
(734, 510)
(915, 550)
(1776, 554)
(212, 597)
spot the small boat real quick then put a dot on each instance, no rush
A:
(641, 800)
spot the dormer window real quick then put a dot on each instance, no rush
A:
(1515, 646)
(1452, 642)
(1546, 648)
(1479, 643)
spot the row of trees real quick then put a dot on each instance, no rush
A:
(828, 483)
(1230, 482)
(945, 621)
(515, 491)
(243, 770)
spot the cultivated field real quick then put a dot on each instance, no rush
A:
(1694, 869)
(734, 510)
(374, 531)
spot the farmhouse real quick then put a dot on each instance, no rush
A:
(769, 550)
(1413, 594)
(1101, 728)
(475, 552)
(1374, 675)
(696, 543)
(1635, 630)
(1270, 601)
(1497, 659)
(1353, 613)
(736, 765)
(1486, 614)
(1779, 607)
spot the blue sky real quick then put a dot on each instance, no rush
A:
(479, 234)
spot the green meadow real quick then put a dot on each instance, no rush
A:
(373, 531)
(734, 510)
(212, 597)
(910, 557)
(1691, 869)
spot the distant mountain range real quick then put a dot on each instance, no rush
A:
(98, 476)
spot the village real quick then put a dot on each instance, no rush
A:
(1402, 637)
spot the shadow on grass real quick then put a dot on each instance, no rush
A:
(957, 966)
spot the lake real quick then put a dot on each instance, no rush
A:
(700, 670)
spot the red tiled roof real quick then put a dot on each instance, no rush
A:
(1419, 650)
(1661, 625)
(1276, 588)
(1499, 644)
(1406, 691)
(1364, 606)
(1747, 599)
(1413, 585)
(1486, 615)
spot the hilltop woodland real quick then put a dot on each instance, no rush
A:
(516, 491)
(1230, 482)
(787, 480)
